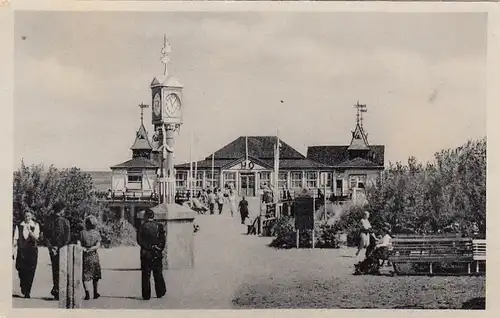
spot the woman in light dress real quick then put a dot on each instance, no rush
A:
(366, 232)
(232, 201)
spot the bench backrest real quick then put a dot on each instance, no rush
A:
(479, 249)
(433, 245)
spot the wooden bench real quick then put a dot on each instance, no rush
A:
(431, 249)
(478, 252)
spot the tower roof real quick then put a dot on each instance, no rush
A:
(141, 140)
(359, 139)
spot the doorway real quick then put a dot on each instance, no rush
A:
(247, 184)
(339, 188)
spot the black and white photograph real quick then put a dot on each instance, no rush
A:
(249, 159)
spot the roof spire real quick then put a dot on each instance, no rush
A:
(360, 109)
(164, 54)
(142, 106)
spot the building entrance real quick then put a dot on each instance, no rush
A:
(247, 184)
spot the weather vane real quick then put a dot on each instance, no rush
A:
(359, 113)
(164, 53)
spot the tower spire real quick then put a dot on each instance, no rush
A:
(360, 109)
(142, 106)
(165, 59)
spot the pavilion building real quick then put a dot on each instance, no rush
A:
(247, 164)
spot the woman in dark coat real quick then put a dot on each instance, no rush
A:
(26, 235)
(90, 240)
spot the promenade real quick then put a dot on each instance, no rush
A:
(236, 271)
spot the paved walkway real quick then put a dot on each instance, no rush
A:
(222, 253)
(233, 270)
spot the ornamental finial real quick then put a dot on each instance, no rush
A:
(164, 54)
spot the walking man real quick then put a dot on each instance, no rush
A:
(151, 237)
(58, 234)
(243, 206)
(26, 235)
(211, 201)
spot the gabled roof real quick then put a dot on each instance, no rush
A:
(141, 140)
(261, 147)
(359, 139)
(335, 155)
(138, 162)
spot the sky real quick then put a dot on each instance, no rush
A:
(80, 76)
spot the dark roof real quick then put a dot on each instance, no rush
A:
(207, 163)
(141, 140)
(299, 164)
(358, 163)
(138, 162)
(335, 155)
(261, 147)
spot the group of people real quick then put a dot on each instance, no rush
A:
(375, 247)
(56, 233)
(211, 199)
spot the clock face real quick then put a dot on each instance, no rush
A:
(156, 105)
(172, 105)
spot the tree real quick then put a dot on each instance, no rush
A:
(36, 190)
(448, 194)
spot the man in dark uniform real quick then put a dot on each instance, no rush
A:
(151, 237)
(57, 234)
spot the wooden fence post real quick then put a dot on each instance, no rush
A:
(70, 276)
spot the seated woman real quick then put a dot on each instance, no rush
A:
(384, 246)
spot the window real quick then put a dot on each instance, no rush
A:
(357, 181)
(199, 180)
(265, 179)
(296, 179)
(135, 179)
(213, 182)
(328, 177)
(282, 180)
(180, 179)
(230, 179)
(312, 179)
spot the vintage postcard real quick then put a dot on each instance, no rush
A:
(290, 157)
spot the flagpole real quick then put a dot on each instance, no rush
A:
(276, 166)
(246, 148)
(191, 166)
(213, 166)
(195, 164)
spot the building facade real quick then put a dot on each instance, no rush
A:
(137, 177)
(247, 164)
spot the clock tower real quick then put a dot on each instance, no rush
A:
(167, 101)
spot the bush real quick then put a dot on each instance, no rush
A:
(286, 235)
(448, 194)
(36, 189)
(326, 236)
